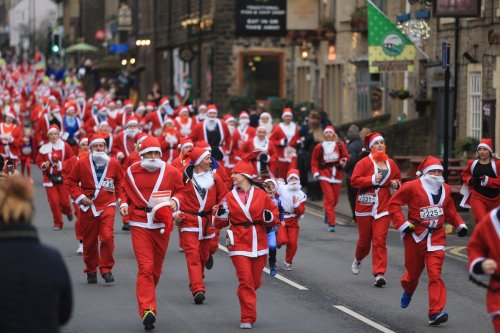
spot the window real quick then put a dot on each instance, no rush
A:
(261, 75)
(368, 92)
(475, 116)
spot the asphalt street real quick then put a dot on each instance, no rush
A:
(319, 295)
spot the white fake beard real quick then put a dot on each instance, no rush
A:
(202, 116)
(205, 180)
(211, 123)
(231, 129)
(100, 158)
(130, 133)
(243, 123)
(293, 187)
(268, 126)
(152, 164)
(433, 183)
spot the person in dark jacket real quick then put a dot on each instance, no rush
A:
(353, 149)
(35, 290)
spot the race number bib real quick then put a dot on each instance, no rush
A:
(367, 199)
(108, 184)
(159, 197)
(330, 158)
(431, 213)
(290, 152)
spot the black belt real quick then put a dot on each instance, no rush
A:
(200, 214)
(493, 277)
(147, 209)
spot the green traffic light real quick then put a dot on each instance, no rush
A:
(55, 48)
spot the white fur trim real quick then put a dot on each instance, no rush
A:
(150, 149)
(485, 146)
(158, 206)
(286, 113)
(461, 226)
(124, 204)
(293, 175)
(432, 167)
(98, 140)
(485, 181)
(264, 216)
(205, 154)
(375, 139)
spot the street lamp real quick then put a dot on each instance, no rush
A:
(132, 61)
(143, 42)
(124, 62)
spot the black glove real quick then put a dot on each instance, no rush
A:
(262, 158)
(300, 144)
(268, 216)
(409, 229)
(463, 232)
(285, 141)
(221, 211)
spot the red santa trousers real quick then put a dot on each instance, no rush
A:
(58, 197)
(26, 166)
(150, 246)
(249, 273)
(78, 222)
(281, 168)
(373, 233)
(293, 242)
(214, 242)
(331, 193)
(416, 258)
(496, 323)
(481, 205)
(196, 252)
(95, 228)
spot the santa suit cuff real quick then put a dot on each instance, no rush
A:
(316, 175)
(65, 136)
(461, 226)
(374, 182)
(80, 198)
(403, 227)
(59, 165)
(282, 142)
(484, 182)
(177, 202)
(124, 204)
(475, 267)
(120, 156)
(264, 216)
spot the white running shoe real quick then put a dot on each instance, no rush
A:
(287, 267)
(379, 281)
(80, 249)
(356, 266)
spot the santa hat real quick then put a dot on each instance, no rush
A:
(54, 108)
(204, 145)
(111, 103)
(161, 211)
(371, 138)
(185, 142)
(169, 121)
(429, 163)
(286, 112)
(96, 138)
(83, 140)
(198, 154)
(150, 144)
(164, 101)
(102, 123)
(245, 168)
(329, 128)
(263, 114)
(132, 120)
(102, 108)
(128, 103)
(183, 109)
(228, 118)
(202, 106)
(150, 106)
(486, 143)
(271, 180)
(70, 105)
(10, 113)
(212, 108)
(53, 128)
(140, 108)
(94, 102)
(292, 173)
(244, 114)
(139, 137)
(261, 127)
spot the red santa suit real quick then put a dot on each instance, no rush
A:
(11, 140)
(243, 132)
(149, 189)
(285, 138)
(371, 210)
(481, 188)
(183, 159)
(429, 206)
(97, 220)
(169, 141)
(155, 120)
(293, 209)
(246, 238)
(53, 117)
(327, 161)
(213, 131)
(266, 158)
(124, 143)
(55, 154)
(484, 244)
(201, 193)
(184, 124)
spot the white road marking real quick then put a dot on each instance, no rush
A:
(278, 276)
(363, 319)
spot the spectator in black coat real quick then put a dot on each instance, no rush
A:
(313, 136)
(35, 289)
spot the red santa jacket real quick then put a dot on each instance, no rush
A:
(423, 213)
(169, 140)
(241, 136)
(185, 128)
(293, 210)
(372, 198)
(247, 233)
(488, 181)
(191, 202)
(123, 146)
(56, 154)
(43, 126)
(181, 162)
(156, 120)
(11, 141)
(285, 137)
(483, 244)
(141, 187)
(200, 133)
(325, 157)
(83, 182)
(266, 148)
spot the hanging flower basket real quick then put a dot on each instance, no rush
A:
(400, 94)
(359, 19)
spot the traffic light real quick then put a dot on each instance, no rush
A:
(55, 45)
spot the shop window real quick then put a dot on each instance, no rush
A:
(368, 92)
(475, 104)
(261, 75)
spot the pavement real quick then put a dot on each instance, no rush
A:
(319, 295)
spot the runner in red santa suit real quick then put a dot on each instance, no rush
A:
(169, 141)
(134, 157)
(185, 147)
(11, 138)
(244, 131)
(68, 165)
(214, 131)
(484, 259)
(50, 160)
(150, 185)
(52, 117)
(203, 190)
(71, 126)
(91, 125)
(293, 201)
(184, 123)
(216, 165)
(124, 141)
(481, 187)
(430, 204)
(104, 130)
(125, 114)
(266, 158)
(202, 113)
(285, 138)
(155, 120)
(327, 162)
(249, 209)
(113, 113)
(96, 183)
(374, 176)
